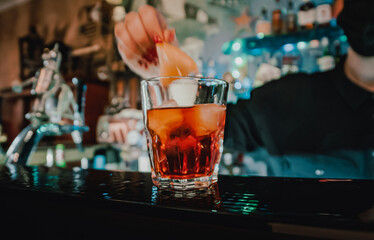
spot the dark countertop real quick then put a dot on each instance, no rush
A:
(79, 204)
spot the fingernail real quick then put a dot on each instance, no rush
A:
(157, 39)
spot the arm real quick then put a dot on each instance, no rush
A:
(240, 130)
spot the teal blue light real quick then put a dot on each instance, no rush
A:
(288, 47)
(225, 46)
(343, 38)
(252, 44)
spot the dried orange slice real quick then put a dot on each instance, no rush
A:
(174, 62)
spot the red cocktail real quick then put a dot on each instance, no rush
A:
(186, 141)
(184, 133)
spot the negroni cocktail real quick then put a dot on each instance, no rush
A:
(184, 122)
(186, 141)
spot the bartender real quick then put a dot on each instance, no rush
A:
(315, 125)
(310, 124)
(318, 112)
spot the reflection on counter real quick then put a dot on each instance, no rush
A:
(100, 156)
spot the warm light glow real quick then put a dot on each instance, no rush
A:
(114, 2)
(314, 43)
(119, 13)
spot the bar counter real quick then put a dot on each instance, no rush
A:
(41, 202)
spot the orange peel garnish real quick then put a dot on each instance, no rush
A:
(174, 62)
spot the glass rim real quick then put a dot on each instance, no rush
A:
(197, 78)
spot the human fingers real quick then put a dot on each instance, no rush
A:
(153, 22)
(125, 41)
(136, 64)
(132, 55)
(137, 32)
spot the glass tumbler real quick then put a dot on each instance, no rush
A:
(184, 121)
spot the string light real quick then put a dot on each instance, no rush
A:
(288, 47)
(260, 35)
(239, 61)
(236, 46)
(301, 45)
(235, 73)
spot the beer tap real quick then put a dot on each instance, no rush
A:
(54, 112)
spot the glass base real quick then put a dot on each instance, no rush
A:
(185, 184)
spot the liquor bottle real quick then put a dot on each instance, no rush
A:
(323, 13)
(326, 61)
(263, 24)
(60, 158)
(306, 15)
(291, 18)
(277, 19)
(291, 60)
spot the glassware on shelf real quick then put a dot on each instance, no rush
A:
(277, 19)
(291, 18)
(263, 26)
(323, 13)
(253, 45)
(306, 15)
(326, 61)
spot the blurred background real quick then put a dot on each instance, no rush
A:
(245, 42)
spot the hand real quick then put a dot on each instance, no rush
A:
(265, 73)
(135, 37)
(118, 132)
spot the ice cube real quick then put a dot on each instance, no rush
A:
(169, 104)
(183, 91)
(207, 118)
(162, 120)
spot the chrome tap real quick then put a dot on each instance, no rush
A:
(54, 112)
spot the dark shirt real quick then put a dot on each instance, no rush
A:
(303, 113)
